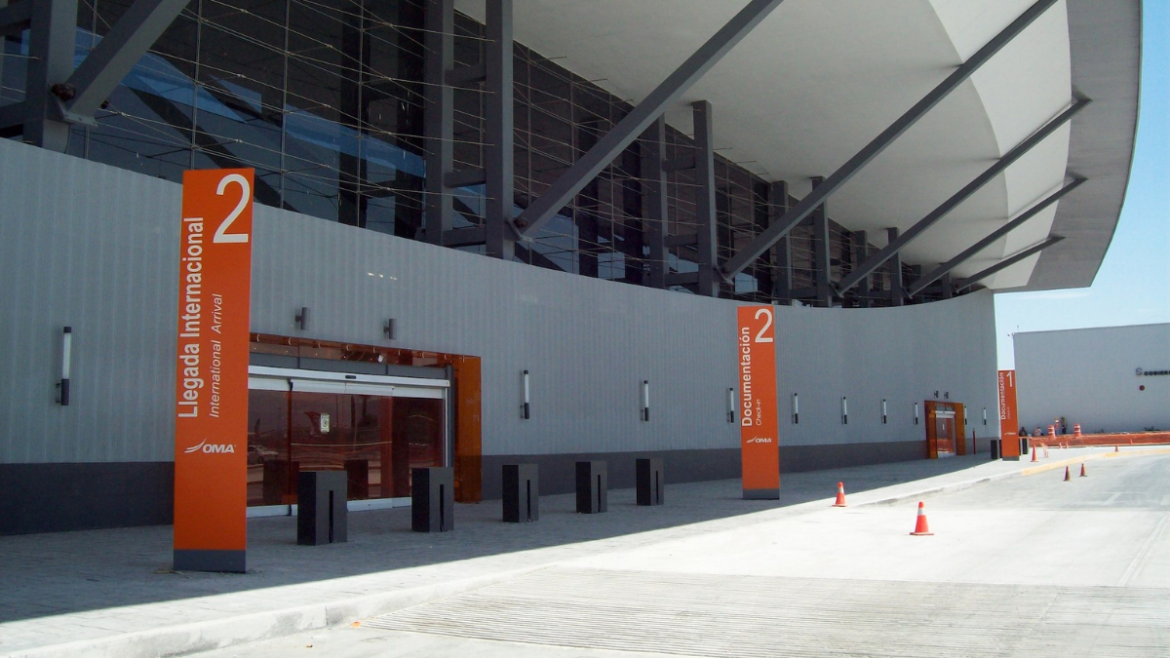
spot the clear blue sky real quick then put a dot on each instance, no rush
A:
(1133, 285)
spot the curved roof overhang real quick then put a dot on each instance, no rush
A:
(816, 81)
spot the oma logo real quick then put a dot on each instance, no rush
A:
(206, 447)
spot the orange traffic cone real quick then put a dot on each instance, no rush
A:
(1083, 473)
(921, 527)
(1066, 474)
(1034, 451)
(840, 495)
(1116, 449)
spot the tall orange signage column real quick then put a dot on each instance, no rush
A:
(1009, 420)
(758, 426)
(211, 381)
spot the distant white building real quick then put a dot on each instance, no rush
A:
(1115, 379)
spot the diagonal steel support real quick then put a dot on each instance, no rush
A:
(959, 197)
(946, 267)
(811, 201)
(1004, 264)
(103, 69)
(628, 129)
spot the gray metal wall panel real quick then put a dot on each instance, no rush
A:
(99, 251)
(1089, 377)
(901, 355)
(90, 246)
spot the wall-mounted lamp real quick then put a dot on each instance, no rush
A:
(390, 329)
(526, 409)
(66, 359)
(936, 394)
(885, 417)
(915, 413)
(731, 405)
(984, 415)
(646, 399)
(302, 318)
(795, 409)
(946, 395)
(844, 411)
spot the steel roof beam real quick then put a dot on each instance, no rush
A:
(1004, 264)
(107, 64)
(959, 197)
(810, 202)
(946, 267)
(542, 209)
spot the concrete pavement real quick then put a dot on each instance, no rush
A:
(110, 593)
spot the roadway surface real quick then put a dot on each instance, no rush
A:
(1025, 566)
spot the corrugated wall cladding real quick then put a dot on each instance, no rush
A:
(1089, 376)
(94, 247)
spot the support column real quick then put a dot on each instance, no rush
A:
(52, 31)
(895, 268)
(860, 253)
(500, 131)
(705, 214)
(782, 251)
(654, 207)
(948, 288)
(822, 256)
(438, 116)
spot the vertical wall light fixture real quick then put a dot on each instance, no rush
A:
(526, 409)
(795, 409)
(984, 415)
(390, 329)
(731, 405)
(885, 417)
(302, 319)
(66, 361)
(646, 399)
(844, 411)
(915, 413)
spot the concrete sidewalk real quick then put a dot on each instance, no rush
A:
(112, 593)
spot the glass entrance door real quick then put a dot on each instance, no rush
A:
(375, 431)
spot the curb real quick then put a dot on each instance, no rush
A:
(222, 633)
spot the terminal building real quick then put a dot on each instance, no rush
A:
(500, 231)
(1108, 380)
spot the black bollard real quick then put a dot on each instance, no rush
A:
(432, 499)
(321, 510)
(651, 484)
(521, 493)
(592, 487)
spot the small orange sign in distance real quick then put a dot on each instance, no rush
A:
(1009, 421)
(211, 379)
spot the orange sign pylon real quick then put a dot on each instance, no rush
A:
(840, 495)
(921, 527)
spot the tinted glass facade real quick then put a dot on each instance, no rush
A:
(324, 98)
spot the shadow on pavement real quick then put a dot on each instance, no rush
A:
(68, 572)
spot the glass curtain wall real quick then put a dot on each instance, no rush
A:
(324, 98)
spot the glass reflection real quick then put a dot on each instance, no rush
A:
(376, 440)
